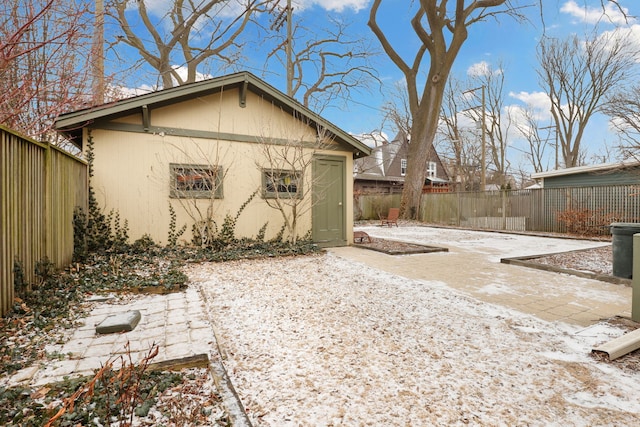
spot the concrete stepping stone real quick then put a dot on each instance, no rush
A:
(122, 322)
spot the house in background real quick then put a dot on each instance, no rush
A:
(207, 149)
(623, 173)
(384, 170)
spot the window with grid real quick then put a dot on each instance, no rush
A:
(281, 183)
(403, 167)
(196, 181)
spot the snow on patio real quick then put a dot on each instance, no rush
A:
(494, 245)
(320, 341)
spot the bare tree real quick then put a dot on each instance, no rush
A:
(189, 34)
(324, 64)
(624, 110)
(539, 138)
(606, 154)
(43, 47)
(396, 109)
(287, 174)
(441, 30)
(497, 124)
(458, 141)
(196, 186)
(577, 74)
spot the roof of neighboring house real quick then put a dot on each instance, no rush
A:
(533, 187)
(379, 166)
(372, 164)
(586, 169)
(436, 179)
(71, 124)
(376, 177)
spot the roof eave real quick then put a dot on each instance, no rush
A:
(585, 169)
(71, 124)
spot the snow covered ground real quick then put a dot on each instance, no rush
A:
(324, 341)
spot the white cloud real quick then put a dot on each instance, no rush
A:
(227, 9)
(633, 35)
(536, 105)
(594, 15)
(183, 73)
(478, 69)
(629, 38)
(120, 92)
(518, 117)
(469, 121)
(537, 101)
(330, 5)
(482, 68)
(155, 7)
(115, 93)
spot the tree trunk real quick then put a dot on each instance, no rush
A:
(423, 132)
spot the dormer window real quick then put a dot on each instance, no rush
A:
(403, 167)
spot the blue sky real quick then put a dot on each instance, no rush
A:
(512, 44)
(495, 42)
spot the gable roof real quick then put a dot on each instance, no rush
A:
(71, 124)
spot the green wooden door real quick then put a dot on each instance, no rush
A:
(329, 204)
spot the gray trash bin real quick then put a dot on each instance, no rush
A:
(623, 247)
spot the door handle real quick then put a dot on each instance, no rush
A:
(339, 203)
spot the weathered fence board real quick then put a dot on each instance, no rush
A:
(40, 186)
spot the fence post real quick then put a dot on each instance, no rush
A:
(635, 281)
(48, 191)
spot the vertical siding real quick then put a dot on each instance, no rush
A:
(67, 188)
(528, 210)
(6, 283)
(39, 189)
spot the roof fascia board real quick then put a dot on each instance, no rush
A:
(82, 117)
(584, 169)
(130, 105)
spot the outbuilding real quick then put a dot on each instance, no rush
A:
(622, 173)
(227, 147)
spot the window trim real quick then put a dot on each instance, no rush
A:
(174, 193)
(432, 172)
(403, 167)
(266, 194)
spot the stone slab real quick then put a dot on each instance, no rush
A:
(122, 322)
(99, 298)
(195, 361)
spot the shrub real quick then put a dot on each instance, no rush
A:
(585, 222)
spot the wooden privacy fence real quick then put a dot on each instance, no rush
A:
(40, 186)
(580, 210)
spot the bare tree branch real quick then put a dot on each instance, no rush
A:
(199, 32)
(577, 75)
(43, 49)
(330, 64)
(624, 110)
(441, 30)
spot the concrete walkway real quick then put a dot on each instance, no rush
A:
(472, 266)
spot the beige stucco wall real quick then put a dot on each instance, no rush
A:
(132, 173)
